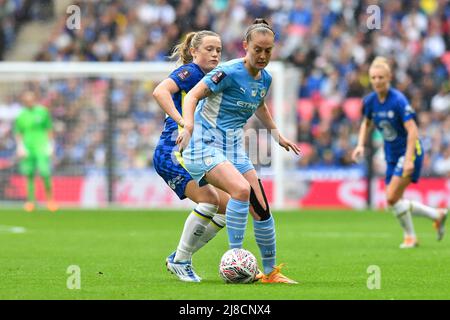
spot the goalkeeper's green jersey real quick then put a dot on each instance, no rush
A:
(34, 125)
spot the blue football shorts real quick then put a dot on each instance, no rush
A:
(166, 161)
(199, 163)
(396, 168)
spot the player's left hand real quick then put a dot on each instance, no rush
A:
(408, 168)
(288, 145)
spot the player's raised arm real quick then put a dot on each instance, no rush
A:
(163, 95)
(199, 92)
(263, 114)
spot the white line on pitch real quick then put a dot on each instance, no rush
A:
(12, 229)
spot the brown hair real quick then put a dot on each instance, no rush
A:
(192, 40)
(259, 25)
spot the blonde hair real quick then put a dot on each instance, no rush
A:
(192, 40)
(381, 62)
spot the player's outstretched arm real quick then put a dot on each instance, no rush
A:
(263, 114)
(163, 95)
(199, 92)
(365, 128)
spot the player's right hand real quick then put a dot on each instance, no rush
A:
(358, 154)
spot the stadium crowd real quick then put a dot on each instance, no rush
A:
(15, 13)
(330, 41)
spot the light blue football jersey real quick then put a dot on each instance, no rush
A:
(220, 118)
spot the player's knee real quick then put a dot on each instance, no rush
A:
(392, 199)
(241, 191)
(209, 196)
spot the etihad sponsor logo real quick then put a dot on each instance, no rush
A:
(247, 105)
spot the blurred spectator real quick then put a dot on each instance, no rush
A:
(441, 165)
(440, 103)
(15, 13)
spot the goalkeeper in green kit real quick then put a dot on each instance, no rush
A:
(33, 129)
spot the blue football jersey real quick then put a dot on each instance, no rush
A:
(235, 96)
(186, 77)
(389, 117)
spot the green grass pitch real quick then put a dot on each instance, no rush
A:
(121, 256)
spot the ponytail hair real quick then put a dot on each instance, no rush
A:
(192, 40)
(181, 50)
(259, 25)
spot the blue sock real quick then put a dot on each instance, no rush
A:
(265, 238)
(236, 221)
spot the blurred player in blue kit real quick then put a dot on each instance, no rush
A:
(212, 142)
(392, 114)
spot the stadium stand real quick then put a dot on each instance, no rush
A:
(328, 40)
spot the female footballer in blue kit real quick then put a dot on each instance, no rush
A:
(199, 53)
(213, 152)
(392, 114)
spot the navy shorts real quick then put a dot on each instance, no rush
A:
(396, 168)
(168, 166)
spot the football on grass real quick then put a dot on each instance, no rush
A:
(238, 266)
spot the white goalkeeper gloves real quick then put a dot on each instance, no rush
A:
(50, 148)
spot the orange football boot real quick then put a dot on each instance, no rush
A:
(275, 276)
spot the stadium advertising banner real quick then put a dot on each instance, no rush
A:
(149, 191)
(434, 192)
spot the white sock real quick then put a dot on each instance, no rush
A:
(194, 228)
(217, 223)
(402, 210)
(420, 209)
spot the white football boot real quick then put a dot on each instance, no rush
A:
(183, 270)
(409, 242)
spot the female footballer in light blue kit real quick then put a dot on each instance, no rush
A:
(234, 92)
(392, 114)
(199, 53)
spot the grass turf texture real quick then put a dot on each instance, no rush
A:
(121, 255)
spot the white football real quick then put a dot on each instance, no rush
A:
(238, 266)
